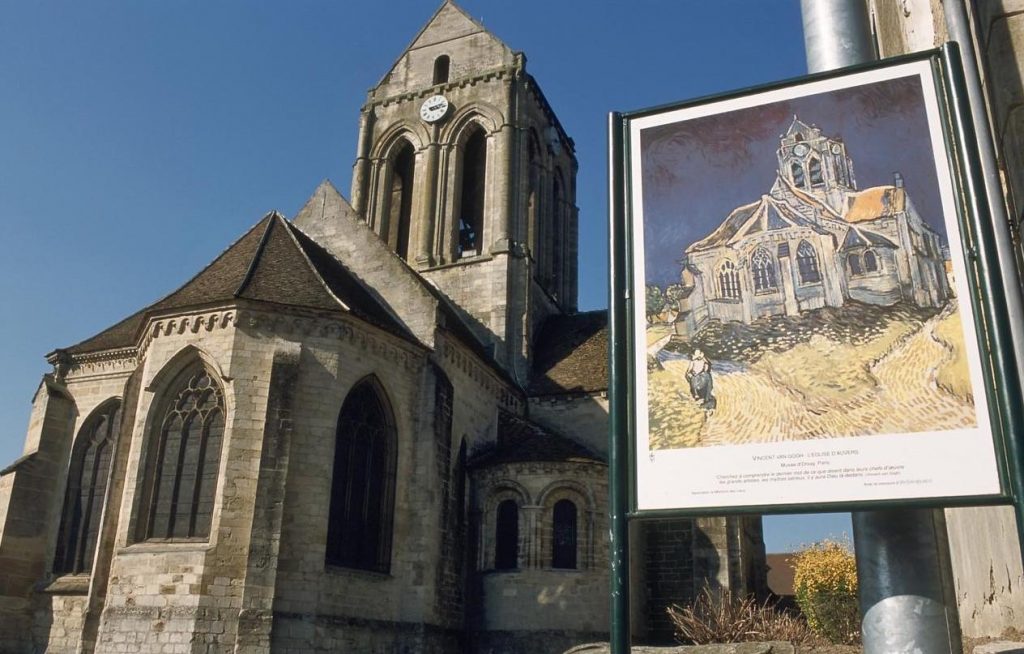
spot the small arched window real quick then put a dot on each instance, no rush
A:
(796, 171)
(362, 486)
(183, 461)
(403, 170)
(763, 269)
(728, 281)
(854, 262)
(441, 66)
(807, 263)
(563, 535)
(870, 261)
(814, 170)
(87, 486)
(471, 205)
(557, 234)
(506, 536)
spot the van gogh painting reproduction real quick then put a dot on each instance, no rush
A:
(798, 272)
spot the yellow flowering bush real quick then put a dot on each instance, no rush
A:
(825, 583)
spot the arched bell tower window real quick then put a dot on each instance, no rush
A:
(796, 171)
(363, 483)
(471, 204)
(814, 171)
(87, 486)
(183, 459)
(563, 535)
(506, 536)
(763, 269)
(441, 66)
(403, 167)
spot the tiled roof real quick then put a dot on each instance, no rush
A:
(767, 214)
(875, 202)
(570, 354)
(273, 262)
(520, 440)
(859, 237)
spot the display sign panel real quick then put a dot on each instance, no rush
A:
(803, 329)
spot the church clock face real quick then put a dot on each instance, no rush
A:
(434, 108)
(836, 148)
(801, 149)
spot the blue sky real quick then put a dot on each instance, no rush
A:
(139, 139)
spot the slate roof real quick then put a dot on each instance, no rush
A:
(767, 214)
(273, 262)
(875, 202)
(859, 237)
(570, 355)
(520, 440)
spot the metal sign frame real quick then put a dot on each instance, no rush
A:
(1003, 389)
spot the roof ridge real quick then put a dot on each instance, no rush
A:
(309, 262)
(251, 270)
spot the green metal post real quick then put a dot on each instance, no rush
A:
(618, 405)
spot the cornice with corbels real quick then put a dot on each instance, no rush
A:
(470, 366)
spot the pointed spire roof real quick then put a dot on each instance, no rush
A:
(273, 262)
(798, 127)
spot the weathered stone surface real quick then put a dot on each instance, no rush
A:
(1000, 647)
(771, 647)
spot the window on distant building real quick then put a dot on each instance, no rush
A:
(471, 205)
(854, 262)
(796, 171)
(763, 269)
(870, 261)
(362, 487)
(403, 167)
(506, 536)
(814, 170)
(87, 485)
(728, 281)
(563, 535)
(441, 66)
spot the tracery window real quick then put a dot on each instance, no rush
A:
(506, 536)
(362, 486)
(183, 461)
(807, 263)
(728, 281)
(814, 170)
(563, 535)
(403, 167)
(854, 262)
(797, 173)
(471, 206)
(870, 261)
(86, 488)
(763, 269)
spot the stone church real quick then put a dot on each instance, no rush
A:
(378, 426)
(813, 240)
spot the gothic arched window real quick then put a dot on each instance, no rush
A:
(363, 482)
(854, 262)
(557, 233)
(183, 461)
(563, 535)
(441, 66)
(870, 261)
(471, 205)
(807, 263)
(403, 167)
(86, 488)
(814, 171)
(506, 536)
(796, 171)
(728, 281)
(763, 269)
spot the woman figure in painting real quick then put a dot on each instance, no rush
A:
(701, 384)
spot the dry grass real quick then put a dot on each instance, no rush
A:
(953, 376)
(718, 617)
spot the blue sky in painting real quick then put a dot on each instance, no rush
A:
(139, 139)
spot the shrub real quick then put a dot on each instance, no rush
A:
(718, 617)
(825, 583)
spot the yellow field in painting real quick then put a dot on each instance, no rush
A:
(910, 377)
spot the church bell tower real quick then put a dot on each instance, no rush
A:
(464, 170)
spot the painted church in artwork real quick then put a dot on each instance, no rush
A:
(813, 240)
(377, 425)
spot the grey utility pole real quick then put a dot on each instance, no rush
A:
(902, 554)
